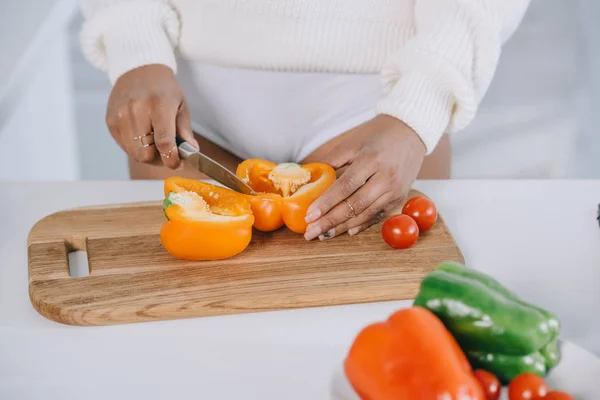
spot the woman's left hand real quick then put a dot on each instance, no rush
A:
(383, 157)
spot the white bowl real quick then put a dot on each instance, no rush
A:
(578, 373)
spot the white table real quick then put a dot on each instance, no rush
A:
(540, 238)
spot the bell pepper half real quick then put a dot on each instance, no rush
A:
(410, 356)
(285, 191)
(497, 330)
(204, 221)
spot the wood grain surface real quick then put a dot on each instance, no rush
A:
(133, 279)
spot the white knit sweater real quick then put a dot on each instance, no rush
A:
(436, 57)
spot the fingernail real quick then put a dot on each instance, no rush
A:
(312, 232)
(312, 216)
(329, 234)
(353, 231)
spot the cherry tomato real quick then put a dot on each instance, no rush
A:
(527, 386)
(400, 231)
(558, 395)
(422, 210)
(490, 384)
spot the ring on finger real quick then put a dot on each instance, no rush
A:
(141, 139)
(168, 155)
(352, 210)
(375, 220)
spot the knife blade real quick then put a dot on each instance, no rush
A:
(211, 168)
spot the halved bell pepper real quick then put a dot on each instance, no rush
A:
(496, 329)
(285, 191)
(204, 221)
(410, 356)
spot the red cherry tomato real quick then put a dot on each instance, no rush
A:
(422, 210)
(527, 386)
(490, 384)
(558, 395)
(400, 231)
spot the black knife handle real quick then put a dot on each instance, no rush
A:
(185, 148)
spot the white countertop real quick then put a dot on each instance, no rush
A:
(540, 238)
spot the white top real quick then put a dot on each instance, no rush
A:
(549, 258)
(277, 116)
(436, 58)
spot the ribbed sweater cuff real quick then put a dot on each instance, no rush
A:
(421, 103)
(129, 35)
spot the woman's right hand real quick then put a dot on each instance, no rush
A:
(145, 100)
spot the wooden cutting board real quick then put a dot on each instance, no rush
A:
(133, 279)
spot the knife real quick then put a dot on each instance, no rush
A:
(210, 167)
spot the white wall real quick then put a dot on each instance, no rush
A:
(99, 156)
(38, 139)
(587, 164)
(531, 118)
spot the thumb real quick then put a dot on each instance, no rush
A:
(183, 126)
(340, 156)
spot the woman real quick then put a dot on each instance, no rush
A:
(368, 86)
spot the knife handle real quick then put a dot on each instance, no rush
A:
(185, 149)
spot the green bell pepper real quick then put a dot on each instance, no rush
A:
(496, 329)
(507, 366)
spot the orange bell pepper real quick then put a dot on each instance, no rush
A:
(204, 221)
(285, 191)
(410, 356)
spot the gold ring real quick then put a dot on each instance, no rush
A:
(141, 139)
(353, 215)
(168, 155)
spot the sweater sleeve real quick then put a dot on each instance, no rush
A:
(437, 80)
(120, 35)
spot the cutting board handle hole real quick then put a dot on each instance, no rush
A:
(79, 266)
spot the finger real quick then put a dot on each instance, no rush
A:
(372, 212)
(136, 132)
(112, 122)
(354, 227)
(184, 128)
(351, 180)
(355, 230)
(357, 204)
(340, 156)
(163, 122)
